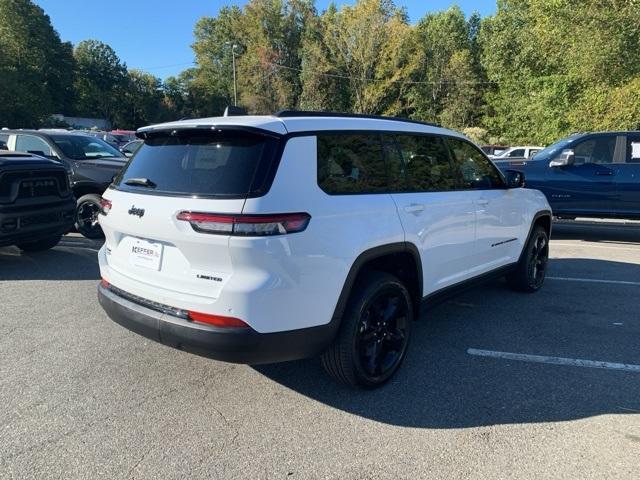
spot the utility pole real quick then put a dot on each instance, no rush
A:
(235, 81)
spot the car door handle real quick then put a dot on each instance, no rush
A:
(604, 174)
(483, 201)
(414, 208)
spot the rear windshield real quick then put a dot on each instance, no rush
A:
(230, 164)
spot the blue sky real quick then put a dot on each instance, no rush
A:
(156, 35)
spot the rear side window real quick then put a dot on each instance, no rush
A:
(426, 164)
(230, 164)
(351, 163)
(4, 140)
(31, 144)
(476, 170)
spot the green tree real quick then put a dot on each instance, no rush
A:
(101, 80)
(269, 67)
(554, 62)
(451, 79)
(141, 103)
(211, 81)
(364, 54)
(36, 68)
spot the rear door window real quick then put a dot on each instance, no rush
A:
(476, 170)
(426, 163)
(229, 164)
(351, 163)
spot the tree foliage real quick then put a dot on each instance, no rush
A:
(533, 72)
(101, 80)
(36, 68)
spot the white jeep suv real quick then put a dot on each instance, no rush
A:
(258, 239)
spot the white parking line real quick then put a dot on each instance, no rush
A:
(594, 280)
(573, 362)
(556, 243)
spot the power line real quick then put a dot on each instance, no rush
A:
(366, 79)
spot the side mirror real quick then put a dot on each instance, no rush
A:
(566, 157)
(515, 179)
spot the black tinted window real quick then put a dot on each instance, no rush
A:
(84, 147)
(351, 163)
(230, 164)
(426, 163)
(595, 150)
(476, 170)
(519, 152)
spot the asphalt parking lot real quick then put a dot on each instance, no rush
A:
(497, 384)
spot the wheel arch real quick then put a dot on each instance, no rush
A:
(542, 218)
(401, 259)
(81, 189)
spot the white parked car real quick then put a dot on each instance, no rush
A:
(517, 152)
(258, 239)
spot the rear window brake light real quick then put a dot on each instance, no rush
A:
(246, 225)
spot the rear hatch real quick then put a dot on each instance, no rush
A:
(192, 170)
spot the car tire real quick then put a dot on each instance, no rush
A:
(374, 333)
(87, 209)
(40, 245)
(531, 270)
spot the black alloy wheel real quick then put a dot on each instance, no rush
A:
(531, 270)
(374, 333)
(381, 339)
(87, 210)
(538, 261)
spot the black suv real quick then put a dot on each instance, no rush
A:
(36, 203)
(90, 162)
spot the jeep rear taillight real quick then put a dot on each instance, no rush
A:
(105, 206)
(246, 225)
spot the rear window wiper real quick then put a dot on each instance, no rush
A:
(140, 182)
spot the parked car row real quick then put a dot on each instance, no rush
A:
(90, 163)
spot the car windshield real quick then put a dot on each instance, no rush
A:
(121, 137)
(81, 147)
(554, 148)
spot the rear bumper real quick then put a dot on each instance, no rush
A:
(20, 224)
(235, 345)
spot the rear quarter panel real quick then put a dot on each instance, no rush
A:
(301, 275)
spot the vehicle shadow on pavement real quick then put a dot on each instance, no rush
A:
(74, 258)
(441, 385)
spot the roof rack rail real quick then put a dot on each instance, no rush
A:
(310, 113)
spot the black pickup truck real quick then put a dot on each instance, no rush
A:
(36, 203)
(90, 163)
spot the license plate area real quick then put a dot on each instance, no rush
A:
(145, 254)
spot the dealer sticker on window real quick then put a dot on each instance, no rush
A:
(146, 254)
